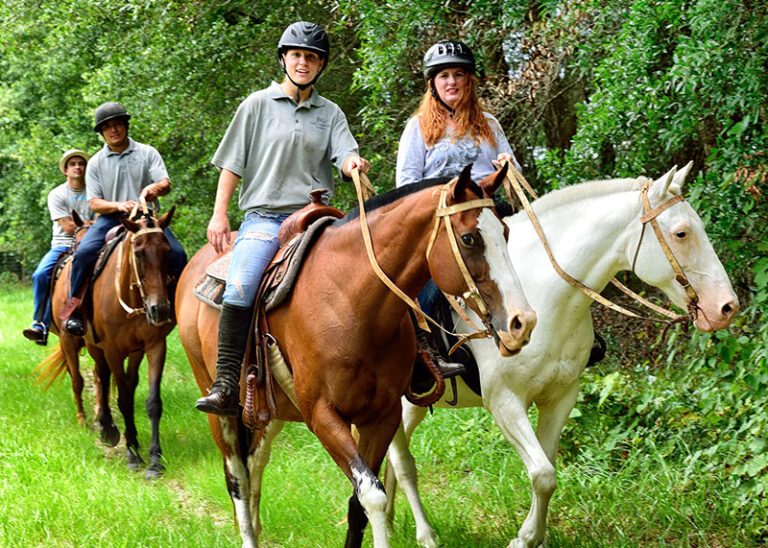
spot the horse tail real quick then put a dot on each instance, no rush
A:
(51, 367)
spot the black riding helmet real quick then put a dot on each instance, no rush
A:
(446, 54)
(304, 35)
(108, 111)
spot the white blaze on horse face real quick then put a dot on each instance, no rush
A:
(520, 317)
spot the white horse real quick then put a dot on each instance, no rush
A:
(594, 231)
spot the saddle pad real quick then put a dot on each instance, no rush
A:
(210, 288)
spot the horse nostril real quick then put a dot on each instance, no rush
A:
(729, 309)
(516, 324)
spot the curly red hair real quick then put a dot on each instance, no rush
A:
(468, 116)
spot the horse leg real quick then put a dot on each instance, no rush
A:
(231, 437)
(403, 466)
(110, 435)
(69, 347)
(127, 380)
(154, 405)
(366, 504)
(257, 461)
(510, 413)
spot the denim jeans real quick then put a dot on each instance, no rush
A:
(88, 251)
(428, 298)
(255, 247)
(41, 279)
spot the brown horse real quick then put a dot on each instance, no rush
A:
(349, 340)
(131, 316)
(64, 356)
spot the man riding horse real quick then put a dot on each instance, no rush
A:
(118, 175)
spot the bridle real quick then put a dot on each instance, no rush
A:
(443, 212)
(514, 183)
(133, 265)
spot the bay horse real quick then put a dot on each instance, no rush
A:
(131, 317)
(349, 340)
(594, 230)
(64, 356)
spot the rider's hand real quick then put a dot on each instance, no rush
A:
(358, 162)
(504, 157)
(126, 207)
(219, 234)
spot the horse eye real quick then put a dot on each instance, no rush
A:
(468, 240)
(682, 234)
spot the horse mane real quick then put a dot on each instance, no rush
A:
(389, 197)
(571, 194)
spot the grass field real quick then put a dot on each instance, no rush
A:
(59, 487)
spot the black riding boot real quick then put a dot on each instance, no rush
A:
(224, 395)
(447, 369)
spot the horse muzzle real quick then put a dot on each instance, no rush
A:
(159, 313)
(517, 334)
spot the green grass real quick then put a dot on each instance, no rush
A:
(59, 487)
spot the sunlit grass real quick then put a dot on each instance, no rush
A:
(59, 487)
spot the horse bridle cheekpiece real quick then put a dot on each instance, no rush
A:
(444, 212)
(134, 267)
(363, 187)
(649, 216)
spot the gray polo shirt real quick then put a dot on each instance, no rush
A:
(282, 150)
(61, 201)
(447, 157)
(120, 176)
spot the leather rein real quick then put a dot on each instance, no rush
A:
(363, 189)
(514, 183)
(132, 261)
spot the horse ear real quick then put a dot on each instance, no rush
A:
(165, 220)
(129, 225)
(492, 183)
(677, 184)
(465, 183)
(660, 185)
(76, 218)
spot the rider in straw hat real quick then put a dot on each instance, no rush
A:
(62, 200)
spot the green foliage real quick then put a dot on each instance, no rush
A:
(584, 89)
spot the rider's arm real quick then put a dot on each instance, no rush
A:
(67, 224)
(218, 227)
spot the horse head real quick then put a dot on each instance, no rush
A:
(148, 256)
(700, 283)
(484, 275)
(82, 227)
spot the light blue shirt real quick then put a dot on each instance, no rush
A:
(282, 150)
(449, 156)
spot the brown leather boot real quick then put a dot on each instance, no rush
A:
(447, 369)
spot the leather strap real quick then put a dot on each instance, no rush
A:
(512, 185)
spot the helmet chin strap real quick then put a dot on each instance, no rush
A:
(437, 97)
(299, 87)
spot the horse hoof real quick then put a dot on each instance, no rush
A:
(135, 462)
(154, 472)
(110, 435)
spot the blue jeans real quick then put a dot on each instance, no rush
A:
(41, 279)
(255, 247)
(88, 251)
(428, 298)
